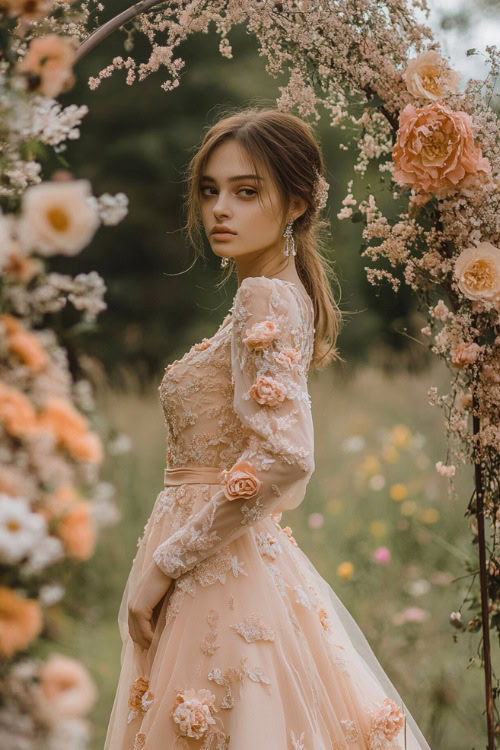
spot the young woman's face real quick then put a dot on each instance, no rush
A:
(229, 195)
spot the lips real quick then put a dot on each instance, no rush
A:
(222, 230)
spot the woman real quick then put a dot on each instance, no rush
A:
(231, 638)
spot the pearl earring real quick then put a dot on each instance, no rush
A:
(290, 241)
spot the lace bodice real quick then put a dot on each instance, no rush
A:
(239, 401)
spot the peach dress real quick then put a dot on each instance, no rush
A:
(252, 649)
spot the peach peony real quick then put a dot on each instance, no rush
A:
(465, 353)
(240, 481)
(56, 217)
(21, 268)
(28, 10)
(429, 76)
(261, 334)
(193, 712)
(29, 350)
(435, 150)
(77, 532)
(66, 688)
(16, 411)
(48, 64)
(267, 391)
(477, 271)
(20, 622)
(70, 428)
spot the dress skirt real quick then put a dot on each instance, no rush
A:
(273, 659)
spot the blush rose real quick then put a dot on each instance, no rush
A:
(240, 481)
(267, 391)
(261, 334)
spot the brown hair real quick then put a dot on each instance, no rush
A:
(287, 146)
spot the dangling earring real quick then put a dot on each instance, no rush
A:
(224, 262)
(290, 241)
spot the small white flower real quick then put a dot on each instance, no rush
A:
(20, 529)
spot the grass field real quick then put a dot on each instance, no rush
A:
(377, 521)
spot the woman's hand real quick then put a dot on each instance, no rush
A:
(153, 585)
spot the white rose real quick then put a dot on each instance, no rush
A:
(57, 218)
(477, 271)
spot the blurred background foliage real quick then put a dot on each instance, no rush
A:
(139, 140)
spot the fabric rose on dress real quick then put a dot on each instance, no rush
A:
(323, 618)
(267, 391)
(240, 481)
(430, 76)
(193, 712)
(140, 698)
(202, 345)
(465, 353)
(288, 357)
(387, 720)
(477, 271)
(288, 531)
(261, 334)
(435, 150)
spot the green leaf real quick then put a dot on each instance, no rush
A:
(471, 51)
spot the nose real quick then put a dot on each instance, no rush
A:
(221, 207)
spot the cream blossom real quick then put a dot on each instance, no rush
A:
(193, 712)
(29, 10)
(477, 271)
(465, 353)
(261, 334)
(435, 150)
(430, 77)
(267, 391)
(444, 470)
(240, 481)
(56, 218)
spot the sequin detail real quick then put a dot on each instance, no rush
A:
(350, 730)
(253, 628)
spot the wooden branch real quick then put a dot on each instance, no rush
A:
(107, 28)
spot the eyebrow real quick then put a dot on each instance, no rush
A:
(207, 178)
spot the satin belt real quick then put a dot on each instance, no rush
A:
(192, 475)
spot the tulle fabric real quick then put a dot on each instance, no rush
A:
(317, 678)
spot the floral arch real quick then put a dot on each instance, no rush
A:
(377, 73)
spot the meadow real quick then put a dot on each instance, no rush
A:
(378, 522)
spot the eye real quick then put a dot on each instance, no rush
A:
(249, 190)
(206, 187)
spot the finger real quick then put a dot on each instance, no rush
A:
(136, 633)
(145, 631)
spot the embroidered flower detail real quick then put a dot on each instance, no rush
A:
(267, 391)
(268, 545)
(193, 712)
(261, 334)
(323, 618)
(297, 742)
(139, 741)
(240, 481)
(288, 531)
(253, 628)
(183, 494)
(303, 598)
(288, 357)
(387, 720)
(202, 345)
(350, 730)
(208, 644)
(140, 698)
(253, 514)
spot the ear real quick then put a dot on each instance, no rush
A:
(298, 206)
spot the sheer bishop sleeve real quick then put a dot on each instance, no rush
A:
(270, 357)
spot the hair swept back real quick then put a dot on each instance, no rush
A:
(288, 147)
